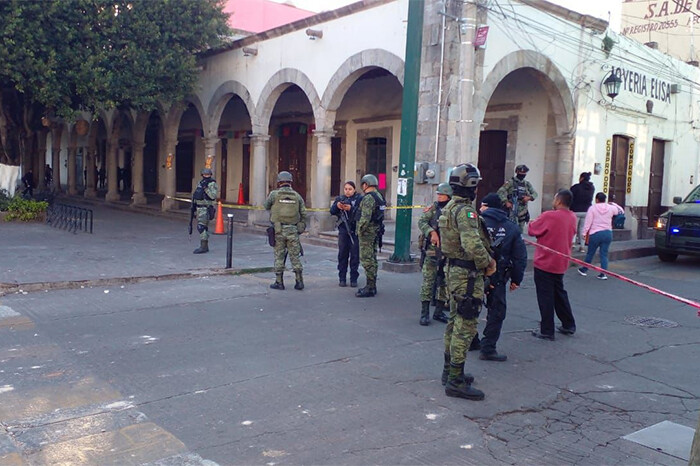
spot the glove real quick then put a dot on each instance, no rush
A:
(301, 226)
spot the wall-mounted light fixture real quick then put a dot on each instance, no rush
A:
(612, 85)
(248, 51)
(314, 34)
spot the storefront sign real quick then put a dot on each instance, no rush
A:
(644, 85)
(606, 172)
(629, 167)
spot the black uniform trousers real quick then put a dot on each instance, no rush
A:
(348, 252)
(496, 306)
(553, 298)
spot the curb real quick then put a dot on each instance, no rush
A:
(8, 288)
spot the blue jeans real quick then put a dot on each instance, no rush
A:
(600, 239)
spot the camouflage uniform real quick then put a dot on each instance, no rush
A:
(367, 235)
(287, 229)
(211, 191)
(463, 242)
(516, 188)
(428, 223)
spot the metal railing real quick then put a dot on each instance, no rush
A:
(69, 217)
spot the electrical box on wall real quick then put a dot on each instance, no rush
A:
(425, 172)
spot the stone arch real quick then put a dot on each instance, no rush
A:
(221, 97)
(277, 84)
(353, 68)
(549, 76)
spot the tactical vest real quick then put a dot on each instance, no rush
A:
(285, 209)
(450, 240)
(378, 212)
(200, 194)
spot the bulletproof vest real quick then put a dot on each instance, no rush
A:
(285, 209)
(200, 194)
(450, 242)
(378, 212)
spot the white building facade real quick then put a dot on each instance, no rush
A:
(328, 109)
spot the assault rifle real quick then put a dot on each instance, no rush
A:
(193, 210)
(344, 219)
(439, 276)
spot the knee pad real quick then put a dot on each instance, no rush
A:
(201, 228)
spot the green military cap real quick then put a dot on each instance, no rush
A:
(444, 188)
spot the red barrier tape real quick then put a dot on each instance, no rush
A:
(689, 302)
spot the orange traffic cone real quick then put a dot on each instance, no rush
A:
(241, 199)
(219, 230)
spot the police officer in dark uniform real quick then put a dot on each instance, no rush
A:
(511, 260)
(345, 208)
(203, 200)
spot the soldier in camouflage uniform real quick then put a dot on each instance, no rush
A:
(370, 221)
(288, 215)
(519, 192)
(203, 199)
(432, 260)
(466, 245)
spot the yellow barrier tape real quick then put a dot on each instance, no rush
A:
(308, 209)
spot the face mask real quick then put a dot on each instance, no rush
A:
(442, 204)
(520, 176)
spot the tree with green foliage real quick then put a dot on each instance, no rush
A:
(60, 57)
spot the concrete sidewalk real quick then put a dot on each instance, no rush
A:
(130, 245)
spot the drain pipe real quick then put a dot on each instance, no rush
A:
(442, 65)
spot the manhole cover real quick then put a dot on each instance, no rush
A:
(650, 322)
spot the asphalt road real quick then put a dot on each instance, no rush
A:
(225, 370)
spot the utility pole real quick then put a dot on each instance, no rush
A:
(409, 128)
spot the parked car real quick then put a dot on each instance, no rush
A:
(678, 229)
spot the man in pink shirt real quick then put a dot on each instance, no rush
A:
(554, 229)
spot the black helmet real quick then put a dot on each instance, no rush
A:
(521, 169)
(465, 175)
(284, 177)
(370, 179)
(444, 188)
(206, 171)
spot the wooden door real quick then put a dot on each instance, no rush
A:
(618, 170)
(492, 161)
(656, 180)
(184, 168)
(292, 154)
(335, 167)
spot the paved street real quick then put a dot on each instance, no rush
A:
(222, 370)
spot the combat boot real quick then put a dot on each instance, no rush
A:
(299, 285)
(458, 386)
(279, 282)
(446, 372)
(368, 291)
(439, 313)
(425, 313)
(203, 247)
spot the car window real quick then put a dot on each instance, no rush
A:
(694, 195)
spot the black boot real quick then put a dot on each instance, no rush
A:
(368, 291)
(299, 285)
(203, 247)
(425, 313)
(446, 372)
(279, 282)
(458, 386)
(439, 313)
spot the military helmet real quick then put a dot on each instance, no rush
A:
(284, 177)
(444, 188)
(370, 179)
(465, 175)
(521, 169)
(206, 171)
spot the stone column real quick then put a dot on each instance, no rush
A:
(258, 177)
(209, 153)
(90, 156)
(565, 161)
(322, 185)
(72, 190)
(138, 197)
(169, 182)
(41, 166)
(56, 160)
(112, 157)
